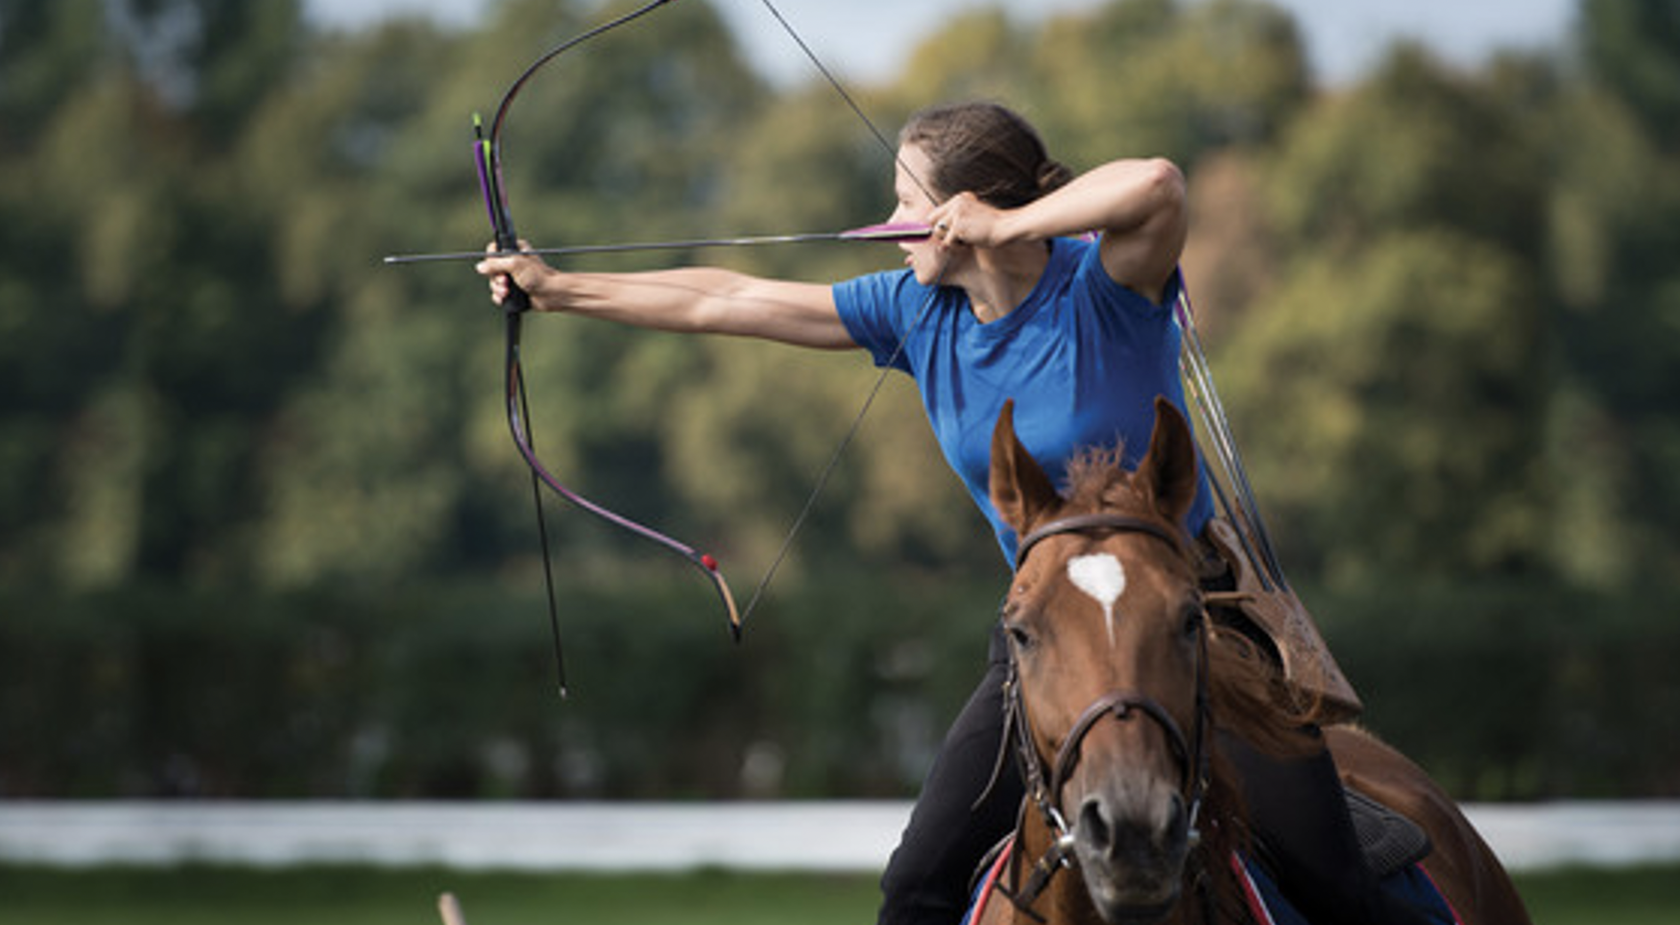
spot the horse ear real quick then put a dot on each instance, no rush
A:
(1168, 470)
(1021, 492)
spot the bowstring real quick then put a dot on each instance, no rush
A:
(840, 451)
(834, 82)
(542, 536)
(891, 363)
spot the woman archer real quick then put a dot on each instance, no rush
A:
(1006, 299)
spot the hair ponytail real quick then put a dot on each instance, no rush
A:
(1052, 176)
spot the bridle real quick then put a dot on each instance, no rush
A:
(1044, 784)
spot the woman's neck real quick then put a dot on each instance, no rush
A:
(997, 280)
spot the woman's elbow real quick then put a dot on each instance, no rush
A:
(1167, 186)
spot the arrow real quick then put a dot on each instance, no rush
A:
(887, 233)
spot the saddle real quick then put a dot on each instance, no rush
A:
(1393, 849)
(1389, 841)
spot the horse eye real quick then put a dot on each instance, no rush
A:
(1192, 617)
(1019, 635)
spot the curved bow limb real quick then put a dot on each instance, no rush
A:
(516, 415)
(487, 158)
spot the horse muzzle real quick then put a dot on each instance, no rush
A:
(1131, 842)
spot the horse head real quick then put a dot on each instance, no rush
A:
(1109, 646)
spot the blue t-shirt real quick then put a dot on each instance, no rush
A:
(1084, 358)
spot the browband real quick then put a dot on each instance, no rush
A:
(1085, 523)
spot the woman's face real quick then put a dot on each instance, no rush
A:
(914, 206)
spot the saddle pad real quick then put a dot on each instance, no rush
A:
(1266, 903)
(987, 886)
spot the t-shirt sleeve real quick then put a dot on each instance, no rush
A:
(1109, 293)
(873, 310)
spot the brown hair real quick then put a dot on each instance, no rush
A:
(986, 149)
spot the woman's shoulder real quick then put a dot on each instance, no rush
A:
(1083, 258)
(880, 309)
(879, 291)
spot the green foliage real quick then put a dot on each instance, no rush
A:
(1633, 48)
(1133, 76)
(1412, 148)
(1158, 77)
(842, 687)
(1408, 374)
(448, 691)
(1513, 689)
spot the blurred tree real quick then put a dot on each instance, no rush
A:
(1393, 385)
(1632, 49)
(978, 55)
(1391, 400)
(1614, 230)
(1417, 147)
(362, 470)
(1446, 319)
(1132, 77)
(47, 52)
(1147, 77)
(212, 59)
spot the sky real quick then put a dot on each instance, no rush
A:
(867, 39)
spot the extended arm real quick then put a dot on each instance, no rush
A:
(697, 300)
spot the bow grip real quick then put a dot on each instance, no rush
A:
(518, 301)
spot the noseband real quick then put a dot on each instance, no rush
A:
(1045, 790)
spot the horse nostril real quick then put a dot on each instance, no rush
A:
(1177, 818)
(1093, 827)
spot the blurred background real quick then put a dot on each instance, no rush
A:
(263, 534)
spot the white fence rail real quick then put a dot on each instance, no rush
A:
(838, 836)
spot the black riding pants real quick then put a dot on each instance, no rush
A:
(927, 880)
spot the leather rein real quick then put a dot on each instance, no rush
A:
(1044, 784)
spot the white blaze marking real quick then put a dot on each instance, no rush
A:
(1101, 577)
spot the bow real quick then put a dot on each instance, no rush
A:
(487, 156)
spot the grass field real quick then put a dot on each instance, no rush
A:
(375, 896)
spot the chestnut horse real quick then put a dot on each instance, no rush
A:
(1119, 680)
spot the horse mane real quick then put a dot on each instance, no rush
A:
(1093, 473)
(1097, 480)
(1247, 698)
